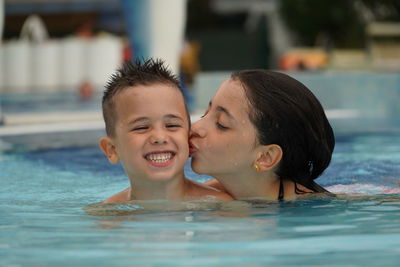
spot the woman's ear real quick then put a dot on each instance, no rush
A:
(108, 148)
(269, 157)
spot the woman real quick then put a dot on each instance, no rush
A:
(264, 135)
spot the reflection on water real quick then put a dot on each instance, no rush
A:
(236, 208)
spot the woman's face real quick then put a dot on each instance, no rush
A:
(224, 140)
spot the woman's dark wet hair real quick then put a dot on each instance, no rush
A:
(285, 112)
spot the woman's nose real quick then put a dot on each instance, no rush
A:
(197, 130)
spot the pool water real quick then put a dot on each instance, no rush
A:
(45, 102)
(43, 221)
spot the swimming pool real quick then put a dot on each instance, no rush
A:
(50, 172)
(44, 190)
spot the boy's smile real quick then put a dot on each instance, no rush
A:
(151, 134)
(160, 159)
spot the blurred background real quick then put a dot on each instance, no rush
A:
(56, 56)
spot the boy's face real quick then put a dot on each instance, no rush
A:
(151, 132)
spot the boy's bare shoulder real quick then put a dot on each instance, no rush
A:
(200, 190)
(121, 197)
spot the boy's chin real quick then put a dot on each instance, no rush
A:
(164, 174)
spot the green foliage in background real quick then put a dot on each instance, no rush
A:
(338, 23)
(383, 10)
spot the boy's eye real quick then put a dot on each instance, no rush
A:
(221, 127)
(140, 128)
(173, 126)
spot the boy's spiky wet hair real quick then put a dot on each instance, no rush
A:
(148, 72)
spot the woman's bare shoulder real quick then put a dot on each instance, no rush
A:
(206, 190)
(215, 184)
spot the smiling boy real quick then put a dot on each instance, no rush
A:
(147, 125)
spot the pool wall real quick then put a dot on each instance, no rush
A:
(355, 102)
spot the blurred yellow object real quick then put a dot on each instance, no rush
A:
(304, 59)
(189, 60)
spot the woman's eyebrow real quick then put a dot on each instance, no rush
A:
(224, 110)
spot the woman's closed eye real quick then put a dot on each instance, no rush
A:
(221, 126)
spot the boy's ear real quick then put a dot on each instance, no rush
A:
(269, 157)
(108, 148)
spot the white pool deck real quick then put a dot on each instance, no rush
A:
(54, 122)
(39, 123)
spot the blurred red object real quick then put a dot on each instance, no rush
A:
(86, 91)
(303, 59)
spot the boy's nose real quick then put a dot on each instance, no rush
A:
(158, 141)
(158, 138)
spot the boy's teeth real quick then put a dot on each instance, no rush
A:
(162, 157)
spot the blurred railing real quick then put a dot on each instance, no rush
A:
(58, 65)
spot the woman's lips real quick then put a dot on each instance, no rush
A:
(192, 148)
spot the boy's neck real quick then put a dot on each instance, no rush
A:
(173, 189)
